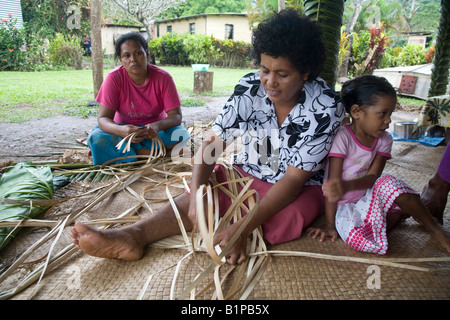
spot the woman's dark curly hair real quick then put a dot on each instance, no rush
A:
(295, 37)
(135, 36)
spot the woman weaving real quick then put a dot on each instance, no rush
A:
(286, 117)
(136, 98)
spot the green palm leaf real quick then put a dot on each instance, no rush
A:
(23, 182)
(328, 13)
(441, 63)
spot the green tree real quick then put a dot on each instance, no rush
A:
(141, 12)
(193, 7)
(45, 18)
(441, 63)
(427, 17)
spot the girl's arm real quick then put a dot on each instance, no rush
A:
(334, 188)
(282, 193)
(329, 228)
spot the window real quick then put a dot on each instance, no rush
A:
(169, 29)
(192, 28)
(229, 31)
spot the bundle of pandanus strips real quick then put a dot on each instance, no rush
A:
(106, 171)
(244, 277)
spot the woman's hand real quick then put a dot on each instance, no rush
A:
(237, 253)
(333, 189)
(152, 130)
(127, 129)
(327, 230)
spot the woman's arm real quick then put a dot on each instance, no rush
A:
(204, 162)
(282, 193)
(334, 188)
(107, 124)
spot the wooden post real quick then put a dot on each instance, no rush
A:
(96, 42)
(203, 81)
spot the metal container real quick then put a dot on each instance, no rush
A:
(404, 129)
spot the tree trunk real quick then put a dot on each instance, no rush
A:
(96, 43)
(203, 81)
(148, 29)
(343, 70)
(441, 62)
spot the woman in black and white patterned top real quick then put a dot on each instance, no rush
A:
(286, 117)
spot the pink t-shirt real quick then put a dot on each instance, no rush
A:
(357, 158)
(139, 105)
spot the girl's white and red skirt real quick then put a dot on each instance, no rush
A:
(362, 225)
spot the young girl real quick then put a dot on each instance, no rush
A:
(360, 206)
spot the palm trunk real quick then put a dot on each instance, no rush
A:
(439, 73)
(96, 38)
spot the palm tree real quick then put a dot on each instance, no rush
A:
(441, 63)
(328, 13)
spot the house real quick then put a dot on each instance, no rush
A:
(11, 8)
(421, 38)
(223, 26)
(110, 33)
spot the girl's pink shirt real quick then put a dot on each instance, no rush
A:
(357, 158)
(139, 105)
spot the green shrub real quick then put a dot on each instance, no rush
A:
(199, 48)
(65, 51)
(412, 54)
(172, 50)
(12, 46)
(232, 54)
(368, 49)
(189, 49)
(390, 58)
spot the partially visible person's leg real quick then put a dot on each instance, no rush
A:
(412, 204)
(103, 147)
(128, 243)
(435, 193)
(172, 138)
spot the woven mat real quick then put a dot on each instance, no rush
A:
(84, 277)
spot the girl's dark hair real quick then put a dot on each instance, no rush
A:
(295, 37)
(135, 36)
(365, 90)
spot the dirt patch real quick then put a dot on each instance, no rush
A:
(46, 139)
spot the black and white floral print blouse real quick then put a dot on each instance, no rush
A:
(303, 140)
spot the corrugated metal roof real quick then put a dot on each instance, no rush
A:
(13, 8)
(421, 69)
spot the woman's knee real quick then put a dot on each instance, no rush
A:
(175, 135)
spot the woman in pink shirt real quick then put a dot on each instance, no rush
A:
(135, 97)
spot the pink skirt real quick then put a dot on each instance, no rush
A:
(288, 223)
(362, 225)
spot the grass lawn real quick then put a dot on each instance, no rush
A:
(30, 95)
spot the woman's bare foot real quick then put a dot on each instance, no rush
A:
(440, 234)
(112, 244)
